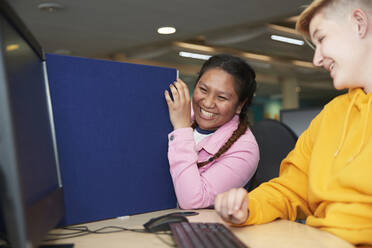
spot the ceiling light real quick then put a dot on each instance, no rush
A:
(256, 56)
(287, 40)
(194, 55)
(166, 30)
(50, 7)
(303, 64)
(191, 46)
(12, 47)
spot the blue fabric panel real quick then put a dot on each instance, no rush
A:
(111, 123)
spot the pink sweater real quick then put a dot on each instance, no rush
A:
(197, 188)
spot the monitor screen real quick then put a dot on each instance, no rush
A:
(31, 194)
(298, 119)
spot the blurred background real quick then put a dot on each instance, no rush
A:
(259, 31)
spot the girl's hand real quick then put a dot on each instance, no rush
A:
(232, 206)
(180, 107)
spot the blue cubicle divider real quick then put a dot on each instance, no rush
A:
(111, 123)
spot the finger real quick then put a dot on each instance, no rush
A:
(241, 206)
(174, 93)
(179, 80)
(168, 98)
(180, 90)
(231, 201)
(241, 215)
(225, 204)
(245, 204)
(186, 91)
(239, 199)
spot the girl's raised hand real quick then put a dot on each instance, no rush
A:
(180, 107)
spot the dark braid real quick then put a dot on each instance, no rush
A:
(194, 125)
(242, 127)
(245, 86)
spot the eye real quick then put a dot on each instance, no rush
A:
(202, 89)
(222, 98)
(321, 39)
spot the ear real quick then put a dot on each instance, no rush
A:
(240, 106)
(360, 21)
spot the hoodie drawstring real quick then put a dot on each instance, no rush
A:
(364, 131)
(345, 125)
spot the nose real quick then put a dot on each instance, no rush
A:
(208, 101)
(318, 57)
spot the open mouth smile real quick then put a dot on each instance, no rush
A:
(206, 115)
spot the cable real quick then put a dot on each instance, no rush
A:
(68, 237)
(84, 230)
(164, 241)
(77, 229)
(120, 229)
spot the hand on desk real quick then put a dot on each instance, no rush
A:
(232, 206)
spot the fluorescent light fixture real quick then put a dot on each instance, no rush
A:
(194, 47)
(287, 40)
(194, 55)
(303, 63)
(166, 30)
(12, 47)
(50, 7)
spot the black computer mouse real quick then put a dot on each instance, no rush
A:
(161, 223)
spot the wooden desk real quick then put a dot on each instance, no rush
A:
(280, 233)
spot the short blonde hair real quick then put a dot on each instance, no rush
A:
(303, 22)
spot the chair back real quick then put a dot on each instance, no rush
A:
(275, 141)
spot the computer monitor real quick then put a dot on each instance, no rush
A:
(31, 194)
(298, 119)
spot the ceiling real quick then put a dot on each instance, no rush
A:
(126, 30)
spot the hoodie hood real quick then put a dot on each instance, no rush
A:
(361, 102)
(361, 97)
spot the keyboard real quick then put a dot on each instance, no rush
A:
(200, 235)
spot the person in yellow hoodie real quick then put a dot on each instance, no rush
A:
(327, 177)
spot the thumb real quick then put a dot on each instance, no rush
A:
(245, 205)
(241, 215)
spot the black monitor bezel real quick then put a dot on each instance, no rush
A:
(41, 208)
(18, 24)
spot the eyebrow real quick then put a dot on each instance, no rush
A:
(201, 83)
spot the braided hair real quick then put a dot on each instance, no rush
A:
(244, 85)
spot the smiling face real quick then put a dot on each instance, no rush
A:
(339, 49)
(215, 100)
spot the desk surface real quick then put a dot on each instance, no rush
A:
(279, 233)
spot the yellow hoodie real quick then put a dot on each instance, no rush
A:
(327, 178)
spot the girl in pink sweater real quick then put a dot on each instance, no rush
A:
(212, 149)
